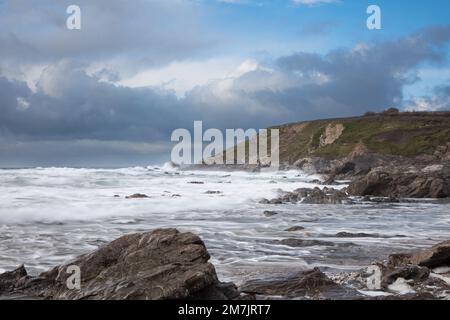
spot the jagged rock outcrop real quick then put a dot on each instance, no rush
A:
(422, 275)
(436, 256)
(428, 182)
(163, 264)
(12, 279)
(312, 196)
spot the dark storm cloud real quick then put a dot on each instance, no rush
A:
(343, 82)
(72, 105)
(368, 77)
(69, 104)
(69, 107)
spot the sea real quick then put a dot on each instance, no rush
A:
(48, 216)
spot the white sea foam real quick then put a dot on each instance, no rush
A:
(401, 286)
(48, 215)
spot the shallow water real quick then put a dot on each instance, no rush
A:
(50, 215)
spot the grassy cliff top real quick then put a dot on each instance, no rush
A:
(388, 133)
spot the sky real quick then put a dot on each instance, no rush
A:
(111, 93)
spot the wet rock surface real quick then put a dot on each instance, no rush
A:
(295, 229)
(311, 284)
(436, 256)
(419, 276)
(163, 264)
(405, 182)
(364, 235)
(312, 196)
(291, 242)
(167, 264)
(270, 213)
(137, 196)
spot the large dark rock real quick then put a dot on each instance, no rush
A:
(163, 264)
(409, 276)
(428, 182)
(10, 280)
(326, 196)
(436, 256)
(408, 272)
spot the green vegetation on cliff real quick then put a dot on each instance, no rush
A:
(388, 133)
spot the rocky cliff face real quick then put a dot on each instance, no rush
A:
(404, 155)
(424, 137)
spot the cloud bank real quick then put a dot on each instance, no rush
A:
(61, 101)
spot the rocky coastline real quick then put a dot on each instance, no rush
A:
(375, 175)
(166, 264)
(389, 155)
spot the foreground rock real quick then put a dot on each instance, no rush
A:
(163, 264)
(436, 256)
(167, 264)
(427, 182)
(422, 275)
(311, 284)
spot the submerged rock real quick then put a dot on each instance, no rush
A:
(294, 229)
(196, 182)
(138, 196)
(366, 235)
(291, 242)
(163, 264)
(270, 213)
(355, 235)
